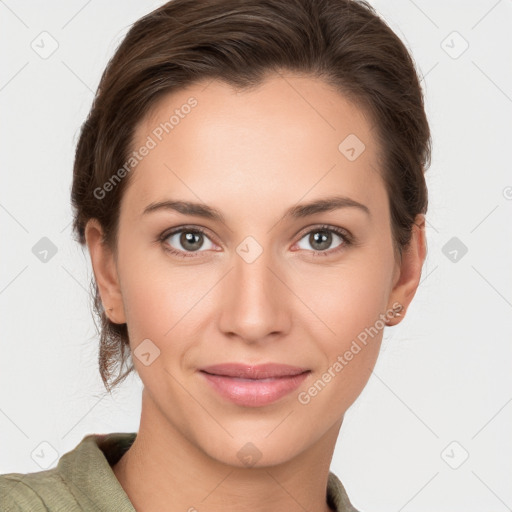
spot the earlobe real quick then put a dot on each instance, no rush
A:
(411, 266)
(105, 272)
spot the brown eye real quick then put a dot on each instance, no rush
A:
(191, 241)
(322, 238)
(186, 240)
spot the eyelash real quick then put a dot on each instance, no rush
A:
(343, 234)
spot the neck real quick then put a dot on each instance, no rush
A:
(163, 467)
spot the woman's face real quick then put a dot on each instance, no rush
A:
(269, 281)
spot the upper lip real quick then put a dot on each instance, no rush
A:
(248, 371)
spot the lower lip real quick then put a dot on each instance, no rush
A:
(254, 392)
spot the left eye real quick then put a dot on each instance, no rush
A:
(321, 239)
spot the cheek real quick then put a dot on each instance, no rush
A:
(162, 301)
(350, 344)
(345, 299)
(338, 386)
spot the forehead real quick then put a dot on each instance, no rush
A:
(290, 137)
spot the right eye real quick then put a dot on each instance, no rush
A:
(190, 240)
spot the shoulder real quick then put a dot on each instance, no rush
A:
(82, 481)
(337, 497)
(25, 491)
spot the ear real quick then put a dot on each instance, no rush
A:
(409, 270)
(105, 272)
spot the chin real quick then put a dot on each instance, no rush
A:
(256, 451)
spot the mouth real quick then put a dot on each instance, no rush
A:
(254, 372)
(254, 386)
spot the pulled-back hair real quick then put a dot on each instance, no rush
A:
(343, 42)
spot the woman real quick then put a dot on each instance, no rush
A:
(250, 186)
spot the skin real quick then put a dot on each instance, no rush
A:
(251, 155)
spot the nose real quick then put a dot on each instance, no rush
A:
(255, 299)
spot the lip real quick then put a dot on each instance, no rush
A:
(254, 386)
(249, 371)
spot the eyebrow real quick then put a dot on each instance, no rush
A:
(295, 212)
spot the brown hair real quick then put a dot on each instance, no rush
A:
(343, 42)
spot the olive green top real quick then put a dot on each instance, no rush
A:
(83, 481)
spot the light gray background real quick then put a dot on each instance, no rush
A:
(442, 388)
